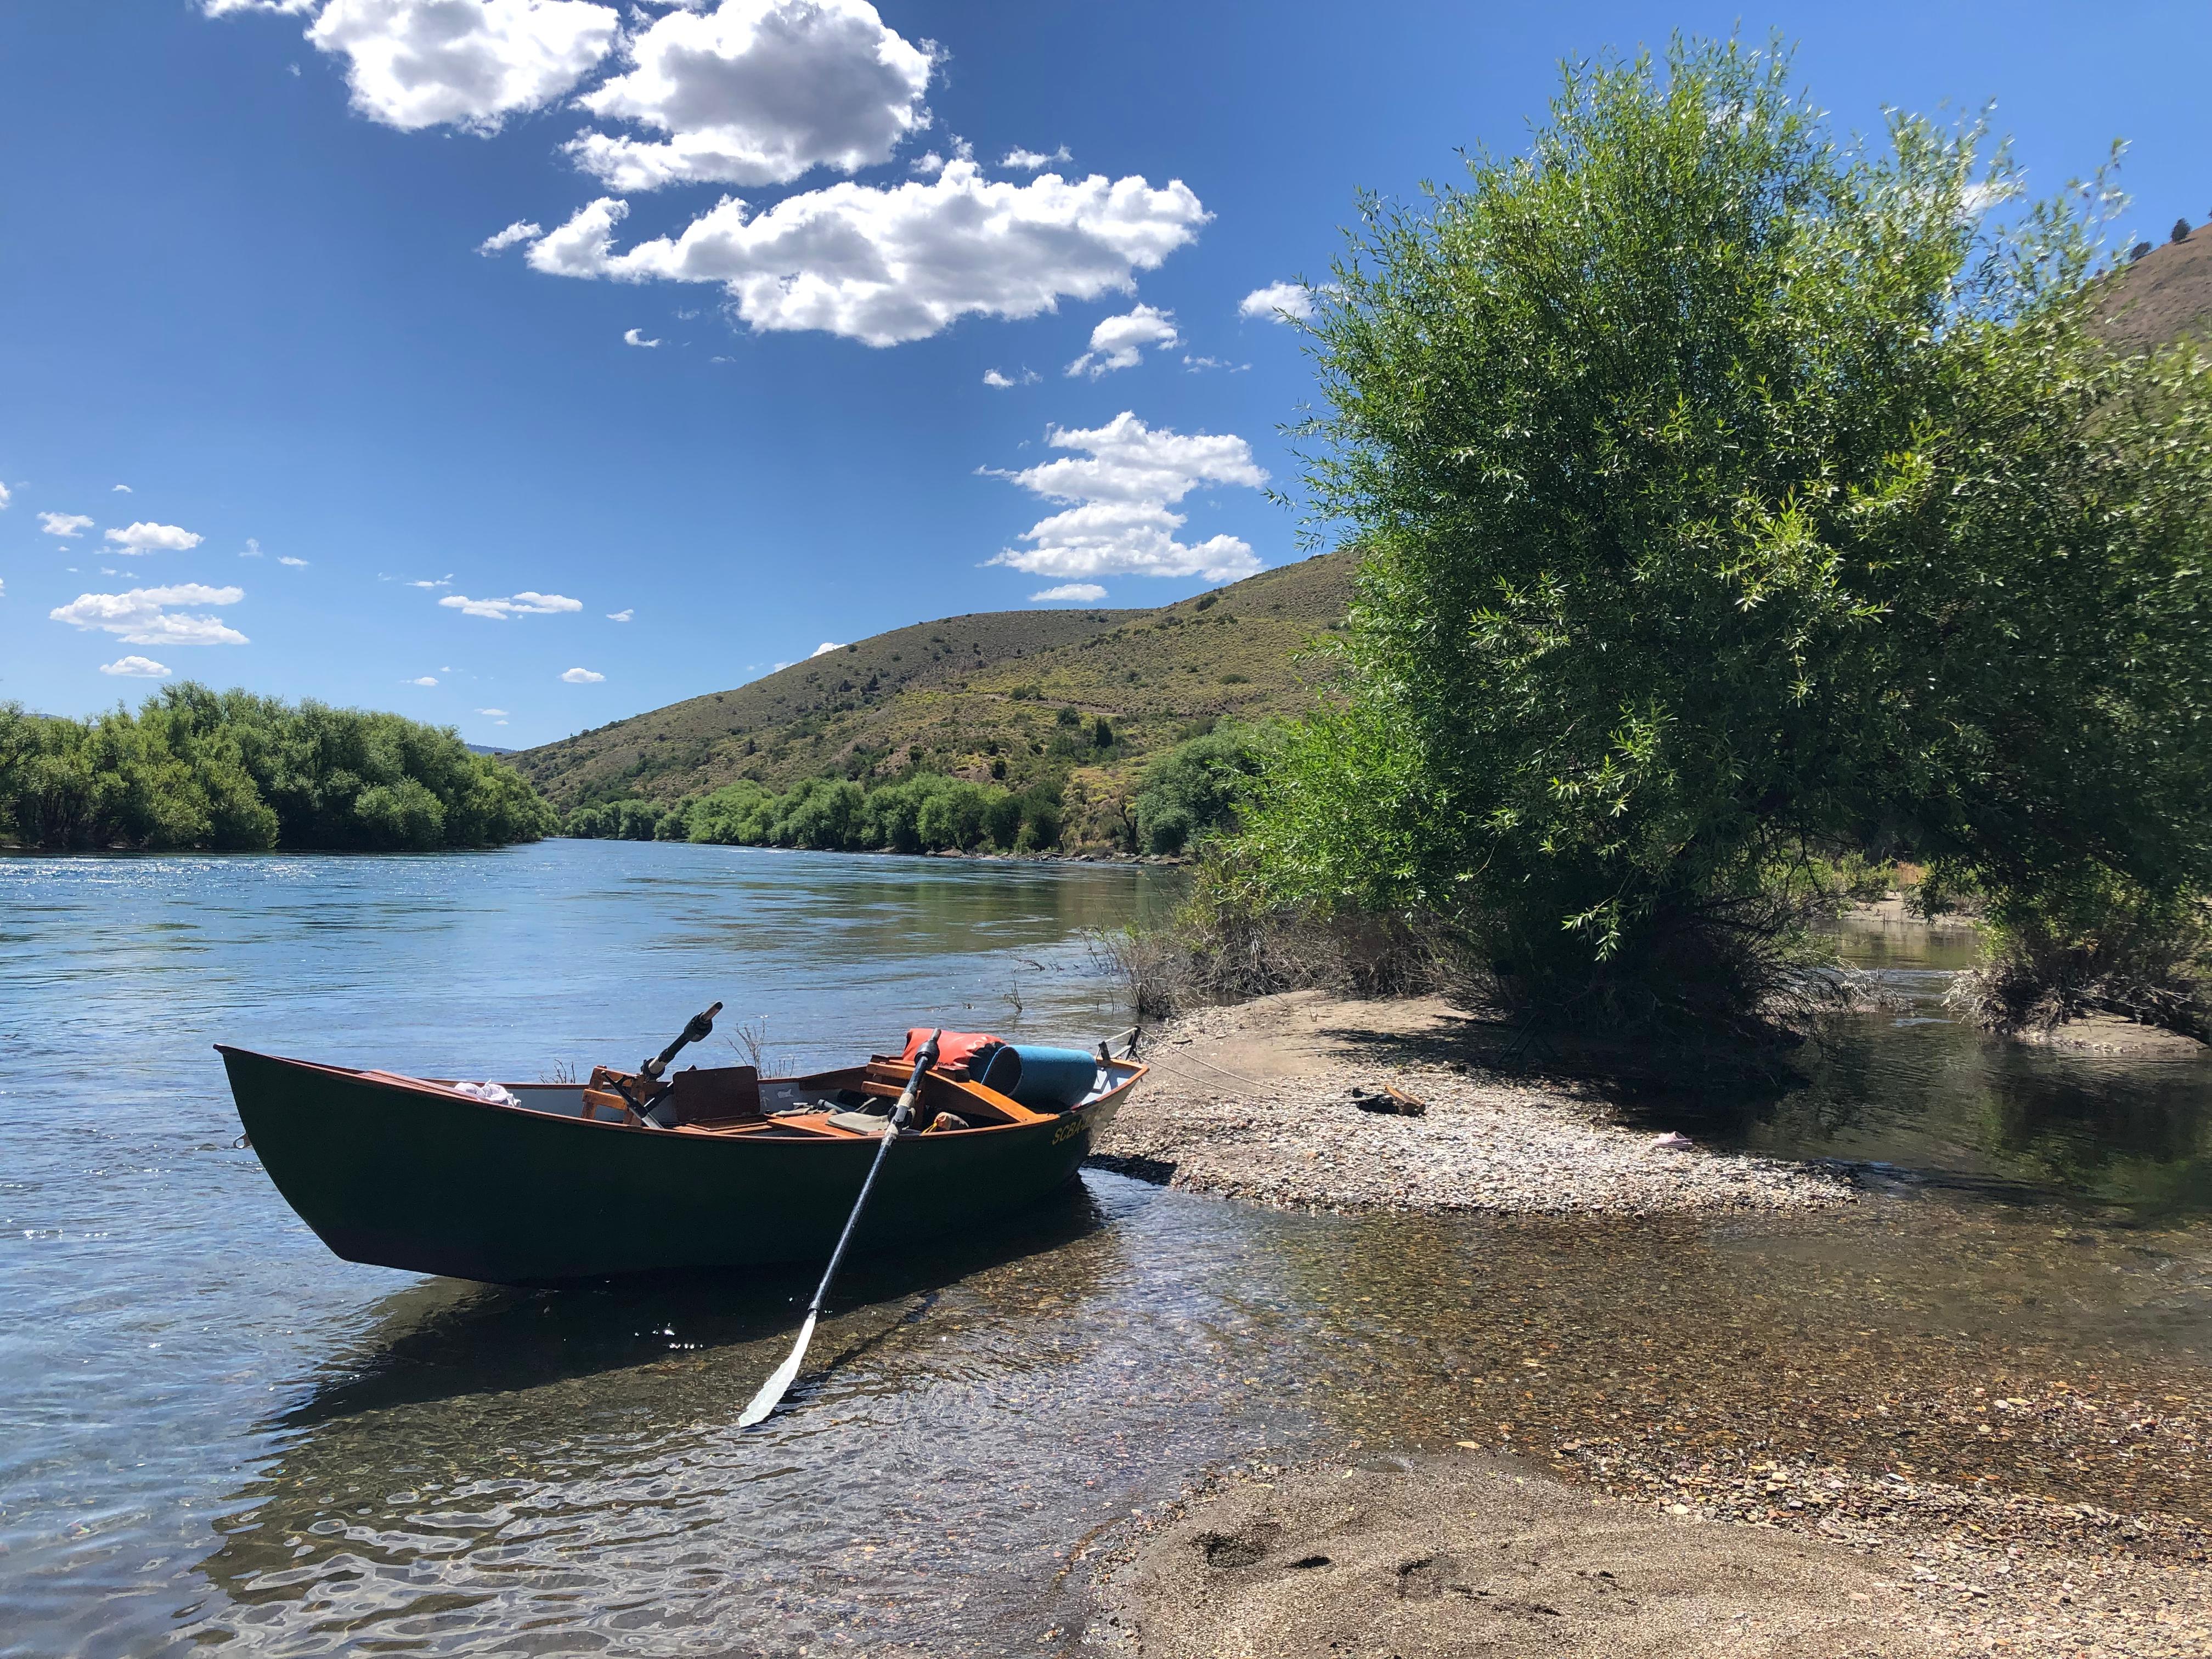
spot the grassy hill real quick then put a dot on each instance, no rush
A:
(2162, 297)
(978, 697)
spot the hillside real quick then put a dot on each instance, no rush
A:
(978, 697)
(2162, 297)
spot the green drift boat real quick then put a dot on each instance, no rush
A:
(564, 1181)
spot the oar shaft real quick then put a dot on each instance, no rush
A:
(852, 1221)
(773, 1390)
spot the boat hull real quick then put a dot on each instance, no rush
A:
(428, 1183)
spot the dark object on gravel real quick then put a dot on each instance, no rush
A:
(1392, 1101)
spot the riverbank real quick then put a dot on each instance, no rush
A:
(1434, 1557)
(1255, 1102)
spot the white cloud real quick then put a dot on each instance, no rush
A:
(225, 8)
(493, 713)
(414, 64)
(1029, 160)
(134, 668)
(1120, 342)
(1076, 593)
(4, 498)
(622, 615)
(288, 559)
(636, 337)
(824, 649)
(1119, 487)
(756, 91)
(522, 230)
(521, 605)
(252, 548)
(143, 615)
(64, 524)
(422, 679)
(1277, 302)
(121, 489)
(992, 377)
(884, 265)
(927, 165)
(442, 581)
(148, 538)
(582, 677)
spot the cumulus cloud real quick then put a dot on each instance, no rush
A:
(300, 564)
(147, 538)
(823, 649)
(522, 230)
(64, 524)
(1120, 342)
(1073, 592)
(1120, 482)
(756, 91)
(622, 615)
(992, 377)
(582, 677)
(1030, 161)
(1278, 302)
(888, 264)
(525, 603)
(251, 550)
(144, 617)
(422, 679)
(471, 64)
(121, 489)
(636, 337)
(134, 668)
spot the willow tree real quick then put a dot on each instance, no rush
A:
(1732, 493)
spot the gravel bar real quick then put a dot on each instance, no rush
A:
(1210, 1120)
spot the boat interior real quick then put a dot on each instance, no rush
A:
(843, 1104)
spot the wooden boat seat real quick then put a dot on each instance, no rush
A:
(717, 1097)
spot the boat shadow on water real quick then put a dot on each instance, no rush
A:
(445, 1339)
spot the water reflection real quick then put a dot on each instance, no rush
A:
(1922, 1093)
(443, 1338)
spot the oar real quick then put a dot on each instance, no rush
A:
(774, 1390)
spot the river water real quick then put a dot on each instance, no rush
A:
(214, 1435)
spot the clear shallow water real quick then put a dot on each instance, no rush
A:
(212, 1434)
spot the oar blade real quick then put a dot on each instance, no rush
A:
(772, 1391)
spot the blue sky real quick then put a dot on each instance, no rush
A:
(241, 276)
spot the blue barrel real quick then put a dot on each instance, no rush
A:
(1042, 1080)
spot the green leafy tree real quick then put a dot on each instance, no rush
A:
(229, 771)
(1195, 788)
(1730, 494)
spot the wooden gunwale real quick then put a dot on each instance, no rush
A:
(816, 1125)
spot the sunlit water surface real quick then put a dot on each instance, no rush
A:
(213, 1434)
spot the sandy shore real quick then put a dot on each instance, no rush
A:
(1441, 1557)
(1254, 1102)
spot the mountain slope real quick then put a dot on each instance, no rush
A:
(978, 696)
(2160, 298)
